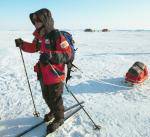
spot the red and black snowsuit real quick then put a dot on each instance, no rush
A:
(55, 44)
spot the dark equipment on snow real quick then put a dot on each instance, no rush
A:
(137, 74)
(36, 113)
(66, 117)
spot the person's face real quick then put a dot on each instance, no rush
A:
(37, 23)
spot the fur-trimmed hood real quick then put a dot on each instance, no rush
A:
(45, 16)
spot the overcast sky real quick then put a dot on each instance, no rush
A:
(78, 14)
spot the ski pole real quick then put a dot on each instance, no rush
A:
(36, 113)
(96, 127)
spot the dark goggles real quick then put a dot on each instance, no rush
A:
(36, 19)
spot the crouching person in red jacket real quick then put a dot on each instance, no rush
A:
(54, 53)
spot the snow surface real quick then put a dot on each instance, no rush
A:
(103, 58)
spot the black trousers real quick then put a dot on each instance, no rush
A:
(52, 95)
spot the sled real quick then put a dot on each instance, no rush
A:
(137, 74)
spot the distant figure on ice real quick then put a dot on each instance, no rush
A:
(54, 50)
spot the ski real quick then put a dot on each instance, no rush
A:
(73, 106)
(42, 122)
(67, 117)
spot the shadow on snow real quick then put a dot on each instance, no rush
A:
(92, 86)
(14, 127)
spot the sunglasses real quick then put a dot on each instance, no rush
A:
(36, 19)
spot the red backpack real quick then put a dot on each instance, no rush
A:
(138, 73)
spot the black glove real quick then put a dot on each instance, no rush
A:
(45, 58)
(19, 42)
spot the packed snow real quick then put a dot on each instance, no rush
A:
(103, 59)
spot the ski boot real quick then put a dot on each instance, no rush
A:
(48, 117)
(54, 125)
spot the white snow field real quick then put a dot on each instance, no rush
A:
(103, 58)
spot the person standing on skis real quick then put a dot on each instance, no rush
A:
(54, 53)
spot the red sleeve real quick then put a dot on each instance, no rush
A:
(29, 47)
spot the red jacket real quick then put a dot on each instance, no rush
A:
(60, 51)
